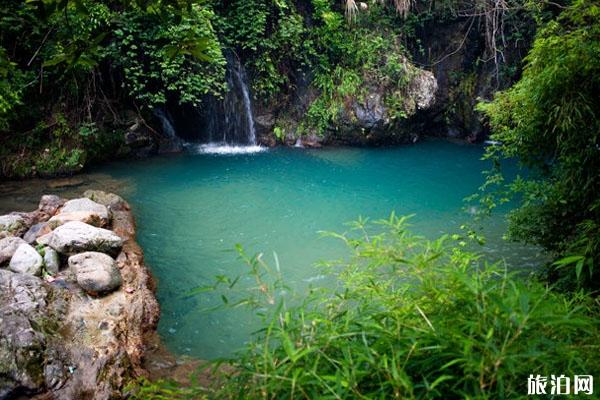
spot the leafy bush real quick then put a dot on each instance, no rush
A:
(550, 121)
(408, 318)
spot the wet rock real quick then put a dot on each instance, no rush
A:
(8, 246)
(75, 237)
(65, 183)
(96, 273)
(51, 260)
(26, 261)
(83, 210)
(36, 231)
(13, 224)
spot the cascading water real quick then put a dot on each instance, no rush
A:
(174, 143)
(165, 121)
(230, 127)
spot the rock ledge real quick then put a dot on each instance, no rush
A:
(74, 321)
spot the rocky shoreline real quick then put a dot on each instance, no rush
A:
(77, 304)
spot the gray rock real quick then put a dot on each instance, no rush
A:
(49, 204)
(51, 260)
(8, 246)
(83, 208)
(95, 272)
(112, 201)
(36, 231)
(24, 316)
(422, 88)
(13, 224)
(26, 261)
(75, 237)
(88, 217)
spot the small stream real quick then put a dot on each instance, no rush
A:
(192, 209)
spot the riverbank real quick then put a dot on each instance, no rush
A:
(78, 309)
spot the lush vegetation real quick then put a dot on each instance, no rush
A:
(412, 318)
(550, 121)
(408, 318)
(74, 75)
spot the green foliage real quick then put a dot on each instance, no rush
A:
(271, 35)
(550, 121)
(64, 65)
(407, 318)
(143, 389)
(167, 55)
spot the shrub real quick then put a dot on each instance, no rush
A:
(409, 318)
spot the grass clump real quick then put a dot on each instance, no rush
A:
(413, 318)
(406, 318)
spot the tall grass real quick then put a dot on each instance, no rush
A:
(410, 318)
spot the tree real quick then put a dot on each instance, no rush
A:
(549, 121)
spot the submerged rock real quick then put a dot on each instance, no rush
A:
(26, 260)
(96, 273)
(75, 237)
(8, 246)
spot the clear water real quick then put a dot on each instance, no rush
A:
(192, 209)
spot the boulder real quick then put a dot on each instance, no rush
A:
(112, 201)
(76, 237)
(36, 231)
(26, 261)
(87, 217)
(13, 224)
(51, 260)
(49, 204)
(28, 324)
(84, 210)
(8, 246)
(58, 343)
(96, 273)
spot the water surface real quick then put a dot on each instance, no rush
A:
(192, 209)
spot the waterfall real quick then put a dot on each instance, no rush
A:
(165, 121)
(230, 127)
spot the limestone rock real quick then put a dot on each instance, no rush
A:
(8, 246)
(84, 210)
(51, 260)
(36, 231)
(13, 224)
(75, 237)
(49, 204)
(87, 217)
(95, 272)
(24, 336)
(422, 89)
(112, 201)
(26, 261)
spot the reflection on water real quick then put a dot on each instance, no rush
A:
(192, 209)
